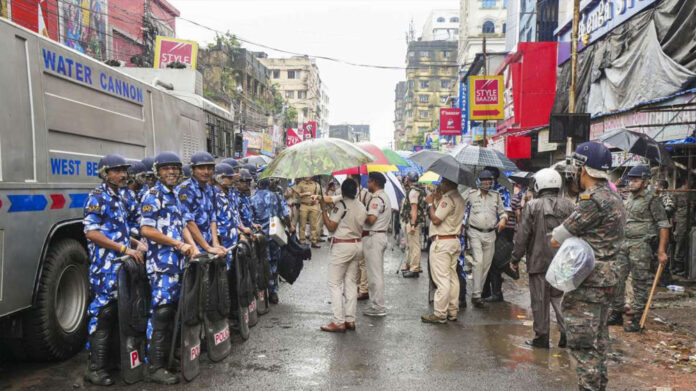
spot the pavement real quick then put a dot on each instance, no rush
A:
(483, 350)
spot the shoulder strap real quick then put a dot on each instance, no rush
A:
(345, 209)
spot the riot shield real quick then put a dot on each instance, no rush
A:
(189, 312)
(217, 308)
(241, 289)
(253, 266)
(133, 309)
(263, 274)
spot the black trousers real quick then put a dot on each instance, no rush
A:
(494, 279)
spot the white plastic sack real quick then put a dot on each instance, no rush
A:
(573, 262)
(276, 231)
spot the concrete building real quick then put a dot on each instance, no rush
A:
(481, 18)
(441, 25)
(399, 106)
(431, 79)
(350, 132)
(297, 78)
(323, 124)
(531, 21)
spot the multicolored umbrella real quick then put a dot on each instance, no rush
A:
(472, 155)
(316, 157)
(430, 178)
(394, 158)
(379, 164)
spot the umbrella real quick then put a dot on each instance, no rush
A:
(429, 178)
(379, 164)
(394, 158)
(639, 144)
(522, 177)
(446, 166)
(316, 157)
(473, 155)
(257, 160)
(392, 187)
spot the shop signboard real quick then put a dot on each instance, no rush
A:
(450, 122)
(293, 137)
(485, 97)
(309, 130)
(625, 159)
(169, 50)
(543, 144)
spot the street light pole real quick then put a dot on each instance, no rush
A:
(485, 73)
(573, 68)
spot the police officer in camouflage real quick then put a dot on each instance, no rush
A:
(412, 214)
(599, 219)
(646, 232)
(107, 232)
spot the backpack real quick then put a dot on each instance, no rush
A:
(405, 214)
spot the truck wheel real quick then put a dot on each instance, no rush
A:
(56, 327)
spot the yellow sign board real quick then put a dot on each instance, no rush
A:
(485, 97)
(169, 50)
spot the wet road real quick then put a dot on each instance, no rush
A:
(483, 350)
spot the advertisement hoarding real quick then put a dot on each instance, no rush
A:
(485, 97)
(169, 50)
(450, 121)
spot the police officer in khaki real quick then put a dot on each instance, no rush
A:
(309, 209)
(346, 222)
(375, 242)
(446, 209)
(486, 215)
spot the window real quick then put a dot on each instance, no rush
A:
(504, 27)
(444, 98)
(425, 54)
(290, 94)
(302, 94)
(454, 20)
(410, 114)
(446, 53)
(444, 83)
(294, 74)
(441, 20)
(424, 84)
(422, 129)
(411, 54)
(276, 74)
(411, 83)
(504, 3)
(423, 98)
(305, 113)
(424, 113)
(488, 4)
(488, 27)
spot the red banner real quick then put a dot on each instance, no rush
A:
(292, 137)
(450, 122)
(309, 130)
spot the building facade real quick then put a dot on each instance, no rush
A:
(481, 18)
(297, 78)
(441, 25)
(399, 123)
(350, 132)
(431, 79)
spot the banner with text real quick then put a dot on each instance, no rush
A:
(450, 121)
(485, 97)
(293, 137)
(169, 50)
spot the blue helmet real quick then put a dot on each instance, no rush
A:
(642, 172)
(412, 176)
(264, 183)
(593, 155)
(166, 158)
(186, 170)
(485, 174)
(245, 175)
(136, 167)
(251, 168)
(110, 161)
(202, 159)
(224, 169)
(232, 162)
(148, 161)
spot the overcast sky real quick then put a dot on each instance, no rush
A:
(360, 31)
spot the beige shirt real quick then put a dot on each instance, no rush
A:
(413, 196)
(350, 216)
(379, 206)
(450, 210)
(364, 197)
(307, 187)
(485, 210)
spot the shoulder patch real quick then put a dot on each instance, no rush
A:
(153, 191)
(182, 197)
(93, 208)
(97, 191)
(147, 208)
(585, 196)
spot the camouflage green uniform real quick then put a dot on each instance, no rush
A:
(599, 219)
(645, 215)
(681, 229)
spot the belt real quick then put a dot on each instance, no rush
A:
(482, 230)
(440, 237)
(346, 240)
(366, 233)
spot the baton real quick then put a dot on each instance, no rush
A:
(652, 292)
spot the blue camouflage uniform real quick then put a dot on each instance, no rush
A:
(197, 206)
(161, 210)
(142, 192)
(227, 217)
(105, 212)
(244, 207)
(504, 194)
(264, 205)
(132, 204)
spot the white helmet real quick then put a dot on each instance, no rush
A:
(547, 178)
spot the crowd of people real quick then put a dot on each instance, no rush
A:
(161, 212)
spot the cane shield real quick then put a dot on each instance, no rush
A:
(133, 307)
(191, 319)
(217, 309)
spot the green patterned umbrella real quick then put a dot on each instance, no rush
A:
(316, 157)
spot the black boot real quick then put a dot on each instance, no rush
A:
(562, 342)
(273, 298)
(100, 347)
(615, 319)
(634, 326)
(160, 345)
(410, 274)
(540, 341)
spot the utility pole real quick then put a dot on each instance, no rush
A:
(485, 73)
(573, 68)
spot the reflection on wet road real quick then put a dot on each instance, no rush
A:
(483, 350)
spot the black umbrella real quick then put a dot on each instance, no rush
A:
(446, 166)
(638, 144)
(522, 177)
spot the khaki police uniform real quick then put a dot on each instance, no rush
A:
(364, 196)
(484, 214)
(444, 253)
(293, 201)
(346, 249)
(374, 246)
(310, 211)
(413, 239)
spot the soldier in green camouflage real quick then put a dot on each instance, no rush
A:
(599, 219)
(681, 231)
(646, 226)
